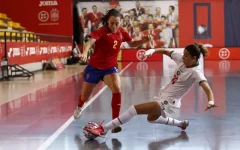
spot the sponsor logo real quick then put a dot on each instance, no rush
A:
(224, 53)
(30, 51)
(14, 52)
(43, 16)
(54, 14)
(48, 3)
(62, 48)
(140, 55)
(43, 50)
(53, 50)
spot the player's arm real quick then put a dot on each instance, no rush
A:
(138, 43)
(209, 94)
(86, 47)
(158, 50)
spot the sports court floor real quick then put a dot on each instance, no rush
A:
(36, 114)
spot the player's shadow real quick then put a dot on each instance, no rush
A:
(166, 143)
(95, 145)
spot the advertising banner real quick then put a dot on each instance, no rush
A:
(24, 53)
(136, 55)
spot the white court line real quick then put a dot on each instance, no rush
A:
(50, 140)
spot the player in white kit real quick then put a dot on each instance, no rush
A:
(168, 101)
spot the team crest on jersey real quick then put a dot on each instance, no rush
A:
(175, 77)
(179, 72)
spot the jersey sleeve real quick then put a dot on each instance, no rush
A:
(199, 76)
(97, 34)
(126, 36)
(177, 57)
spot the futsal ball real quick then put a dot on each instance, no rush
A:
(202, 29)
(86, 133)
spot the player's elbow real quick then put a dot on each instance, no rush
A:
(167, 52)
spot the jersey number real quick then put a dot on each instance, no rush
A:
(115, 44)
(174, 79)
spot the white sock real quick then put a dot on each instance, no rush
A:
(167, 121)
(123, 118)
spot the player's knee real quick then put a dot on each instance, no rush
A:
(151, 118)
(116, 88)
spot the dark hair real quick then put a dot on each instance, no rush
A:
(172, 7)
(163, 17)
(127, 16)
(84, 8)
(111, 12)
(196, 49)
(150, 15)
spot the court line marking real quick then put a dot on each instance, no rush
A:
(52, 138)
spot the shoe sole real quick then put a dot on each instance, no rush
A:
(116, 130)
(187, 124)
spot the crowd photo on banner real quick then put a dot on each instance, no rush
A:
(139, 18)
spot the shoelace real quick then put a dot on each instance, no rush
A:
(100, 124)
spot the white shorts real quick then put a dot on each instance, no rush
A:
(167, 106)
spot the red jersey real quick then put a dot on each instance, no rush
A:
(154, 44)
(107, 47)
(94, 18)
(84, 21)
(154, 33)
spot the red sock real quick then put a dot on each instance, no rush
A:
(80, 102)
(116, 104)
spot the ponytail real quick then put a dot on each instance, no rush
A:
(202, 49)
(196, 50)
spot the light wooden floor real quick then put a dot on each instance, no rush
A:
(17, 87)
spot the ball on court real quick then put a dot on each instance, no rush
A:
(86, 133)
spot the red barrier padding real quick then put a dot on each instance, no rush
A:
(24, 53)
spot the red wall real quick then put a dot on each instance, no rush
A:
(186, 24)
(135, 54)
(26, 12)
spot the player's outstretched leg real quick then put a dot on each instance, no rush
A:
(168, 121)
(123, 118)
(146, 108)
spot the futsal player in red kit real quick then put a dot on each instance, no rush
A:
(102, 64)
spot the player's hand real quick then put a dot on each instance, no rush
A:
(83, 57)
(210, 105)
(149, 37)
(149, 53)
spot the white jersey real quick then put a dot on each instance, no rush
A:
(182, 80)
